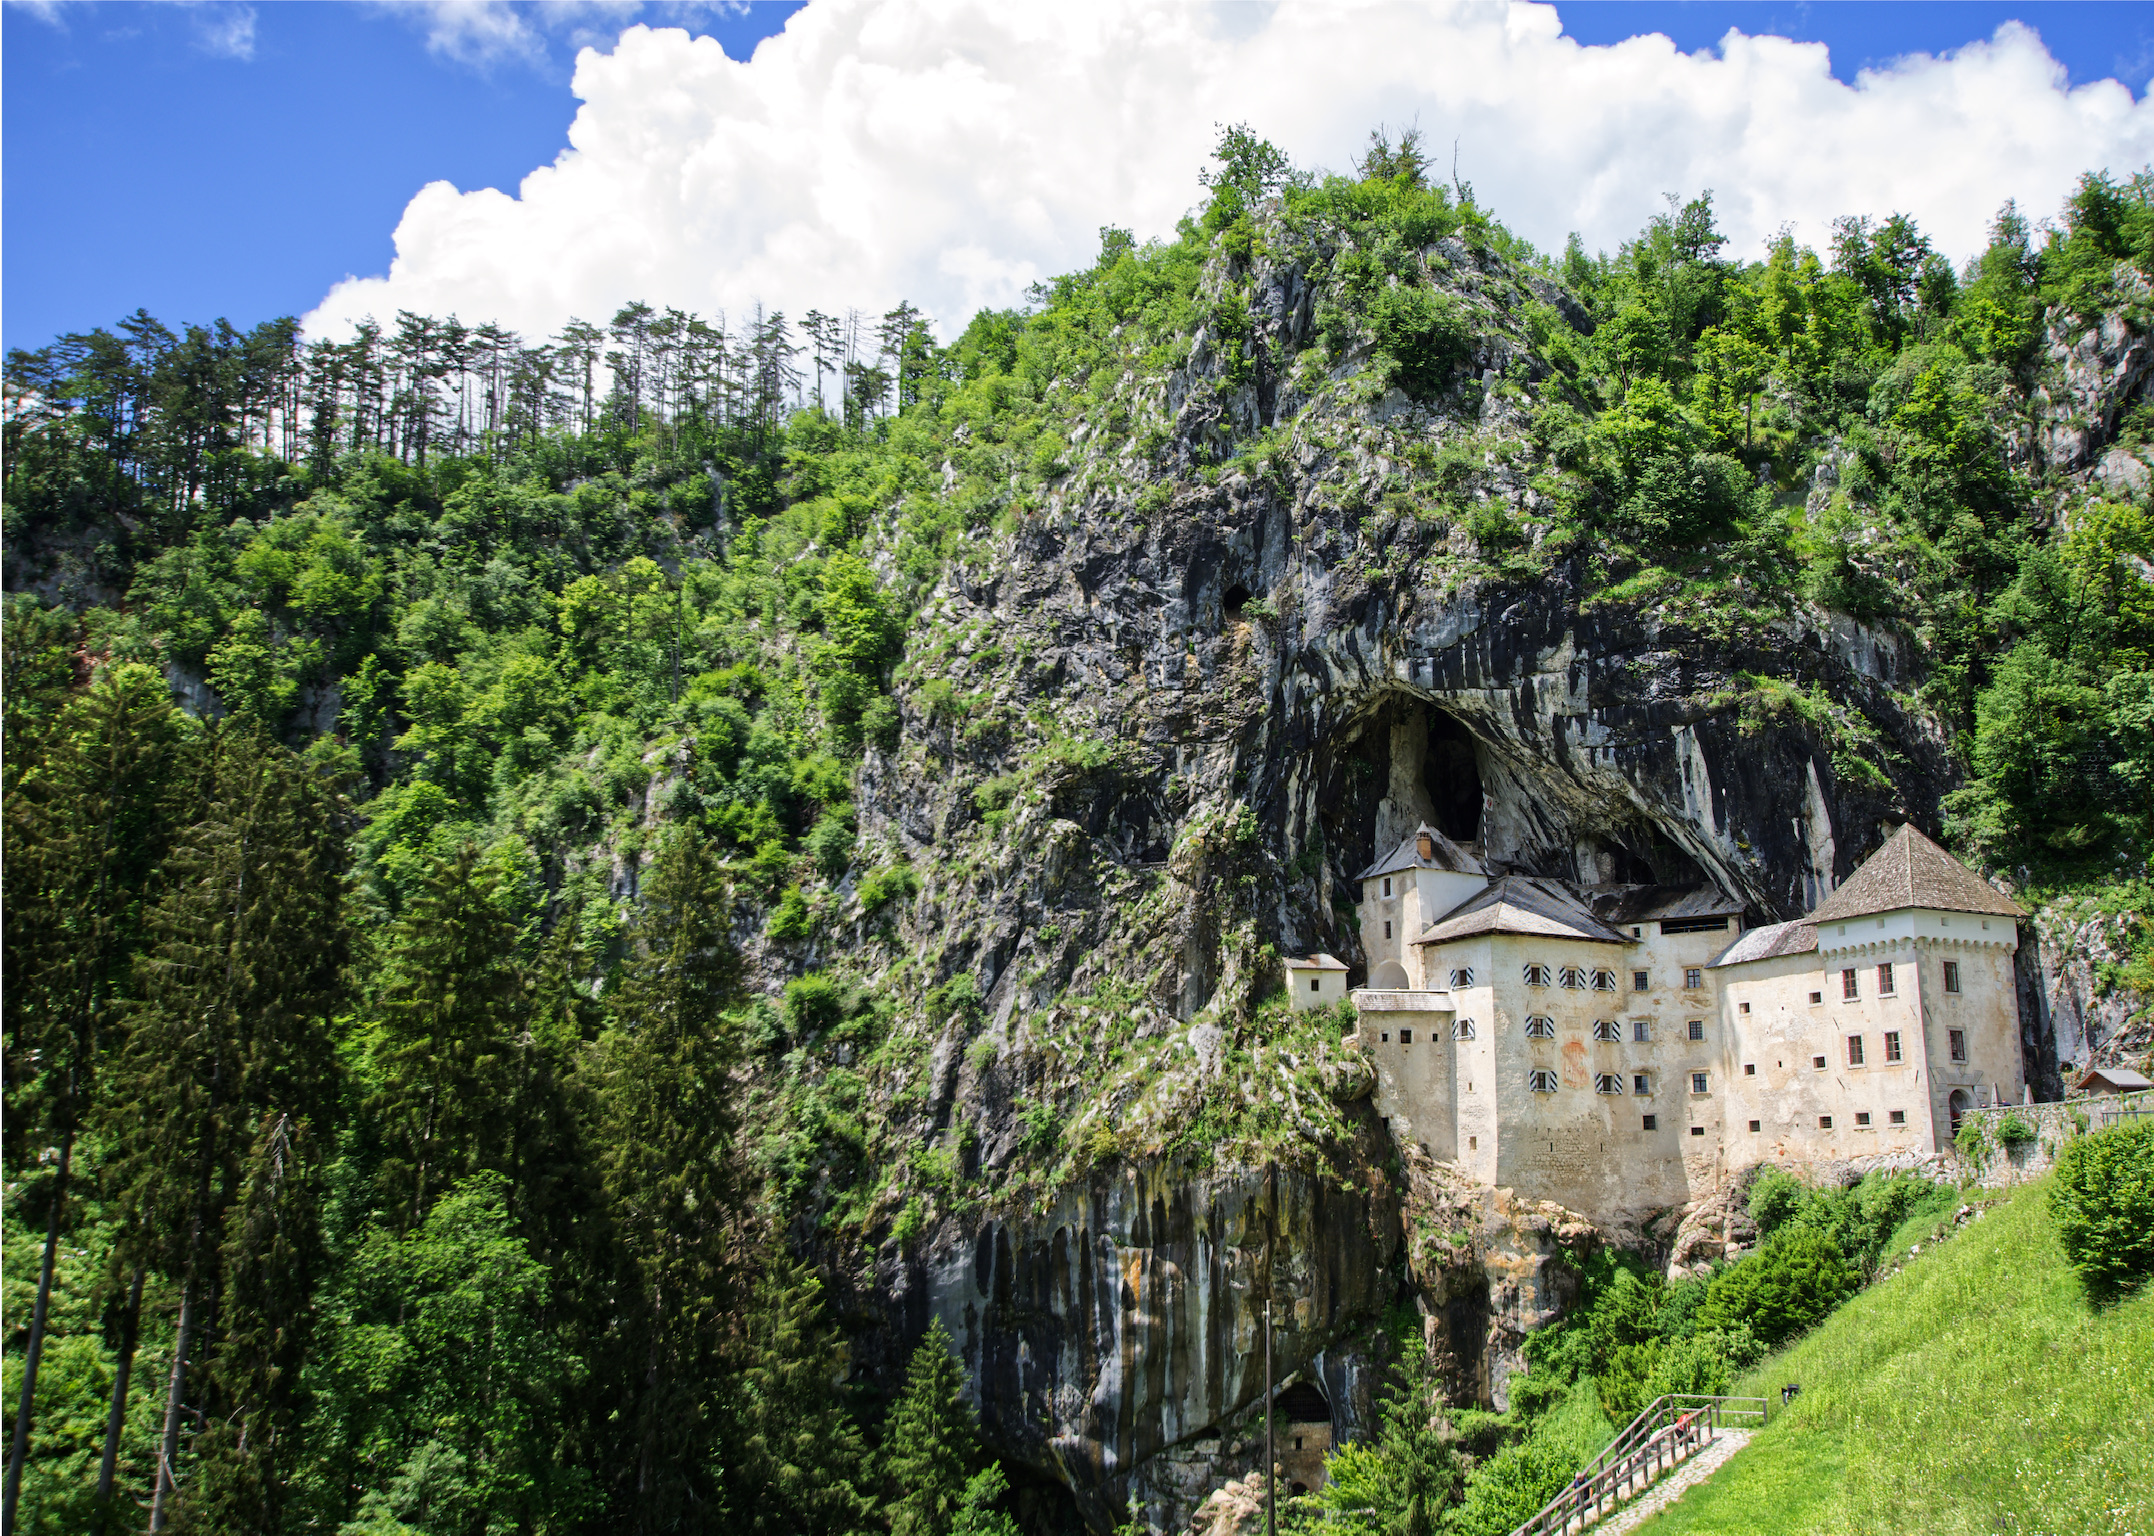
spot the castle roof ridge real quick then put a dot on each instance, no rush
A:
(1911, 871)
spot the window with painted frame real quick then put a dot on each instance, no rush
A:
(1854, 1050)
(1604, 981)
(1850, 988)
(1462, 1030)
(1892, 1045)
(1540, 1027)
(1573, 977)
(1541, 1081)
(1608, 1082)
(1607, 1030)
(1885, 984)
(1536, 974)
(1461, 976)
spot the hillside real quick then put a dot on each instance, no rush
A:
(1974, 1390)
(754, 841)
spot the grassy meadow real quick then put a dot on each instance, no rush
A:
(1974, 1391)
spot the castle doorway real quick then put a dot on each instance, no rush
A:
(1960, 1102)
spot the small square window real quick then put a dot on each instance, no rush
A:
(1817, 1063)
(1952, 975)
(1754, 1127)
(1641, 1083)
(1697, 1130)
(1892, 1045)
(1543, 1082)
(1824, 1122)
(1604, 981)
(1862, 1117)
(1695, 1029)
(1854, 1050)
(1848, 988)
(1817, 997)
(1536, 975)
(1640, 982)
(1652, 1122)
(1462, 976)
(1462, 1030)
(1884, 981)
(1316, 983)
(1697, 1082)
(1641, 1029)
(1607, 1030)
(1406, 1037)
(1750, 1069)
(1743, 1007)
(1896, 1116)
(1693, 977)
(1956, 1040)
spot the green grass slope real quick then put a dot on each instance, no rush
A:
(1976, 1390)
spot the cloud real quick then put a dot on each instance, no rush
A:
(224, 31)
(954, 151)
(487, 33)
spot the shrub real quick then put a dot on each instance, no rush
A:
(880, 887)
(1774, 1198)
(1423, 338)
(790, 918)
(813, 1004)
(1783, 1288)
(2103, 1204)
(2014, 1131)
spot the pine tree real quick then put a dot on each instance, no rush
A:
(931, 1443)
(443, 1053)
(231, 1031)
(85, 825)
(673, 1178)
(1400, 1481)
(801, 1455)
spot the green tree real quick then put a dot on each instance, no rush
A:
(2103, 1205)
(932, 1442)
(1790, 1283)
(801, 1459)
(1400, 1481)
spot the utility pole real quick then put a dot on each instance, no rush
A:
(1271, 1460)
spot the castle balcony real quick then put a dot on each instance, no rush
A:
(1387, 1000)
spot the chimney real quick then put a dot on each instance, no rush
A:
(1425, 845)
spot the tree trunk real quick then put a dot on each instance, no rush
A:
(19, 1449)
(116, 1420)
(168, 1446)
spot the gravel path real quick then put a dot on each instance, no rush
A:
(1670, 1488)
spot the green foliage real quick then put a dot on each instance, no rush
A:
(802, 1463)
(1517, 1480)
(931, 1445)
(2103, 1205)
(1422, 337)
(1400, 1481)
(1791, 1282)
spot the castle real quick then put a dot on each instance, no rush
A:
(1622, 1048)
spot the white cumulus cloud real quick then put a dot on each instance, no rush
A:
(952, 152)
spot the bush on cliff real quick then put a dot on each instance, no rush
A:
(2103, 1205)
(1782, 1289)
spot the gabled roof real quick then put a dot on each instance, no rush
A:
(1769, 942)
(1315, 962)
(2116, 1079)
(1522, 904)
(1912, 871)
(1442, 854)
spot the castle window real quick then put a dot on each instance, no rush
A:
(1952, 975)
(1387, 885)
(1536, 975)
(1695, 1029)
(1896, 1116)
(1542, 1082)
(1750, 1069)
(1693, 977)
(1697, 1130)
(1753, 1127)
(1848, 989)
(1640, 982)
(1892, 1045)
(1607, 1029)
(1604, 981)
(1406, 1037)
(1641, 1084)
(1956, 1039)
(1387, 1037)
(1462, 1030)
(1539, 1027)
(1824, 1122)
(1884, 981)
(1854, 1050)
(1652, 1122)
(1608, 1082)
(1387, 930)
(1462, 976)
(1817, 997)
(1698, 1082)
(1862, 1117)
(1742, 1007)
(1574, 977)
(1641, 1030)
(1817, 1063)
(1316, 983)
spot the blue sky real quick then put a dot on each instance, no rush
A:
(231, 160)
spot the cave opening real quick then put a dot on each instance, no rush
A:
(1452, 777)
(1237, 599)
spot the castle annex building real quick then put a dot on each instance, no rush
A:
(1624, 1048)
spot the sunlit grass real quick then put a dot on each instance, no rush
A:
(1975, 1391)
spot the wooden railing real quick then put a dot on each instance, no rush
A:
(1666, 1434)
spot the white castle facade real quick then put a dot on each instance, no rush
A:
(1623, 1048)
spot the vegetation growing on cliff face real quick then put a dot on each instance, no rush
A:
(515, 947)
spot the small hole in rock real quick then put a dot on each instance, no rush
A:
(1237, 598)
